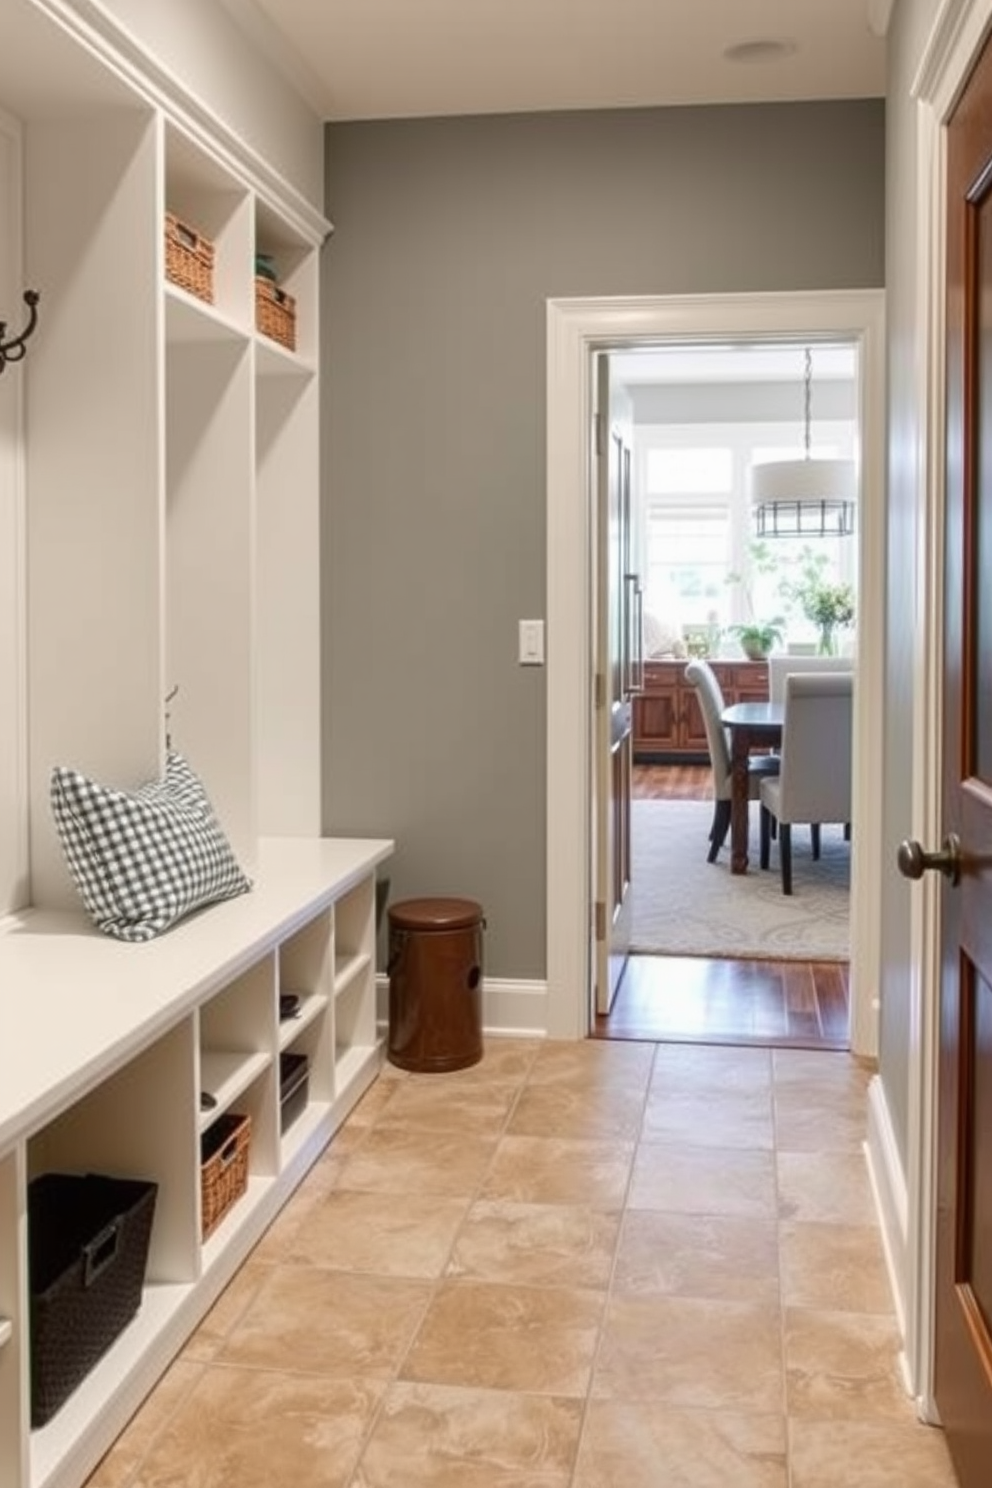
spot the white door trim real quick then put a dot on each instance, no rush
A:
(955, 39)
(575, 329)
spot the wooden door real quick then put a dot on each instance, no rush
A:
(963, 1380)
(618, 629)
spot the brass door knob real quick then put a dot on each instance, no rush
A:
(914, 862)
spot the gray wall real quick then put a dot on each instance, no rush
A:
(450, 235)
(911, 24)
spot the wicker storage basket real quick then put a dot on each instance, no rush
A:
(223, 1167)
(88, 1239)
(189, 258)
(275, 312)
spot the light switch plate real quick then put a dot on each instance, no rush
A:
(531, 644)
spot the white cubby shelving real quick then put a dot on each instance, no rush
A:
(170, 469)
(123, 1042)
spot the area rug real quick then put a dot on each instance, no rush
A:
(684, 906)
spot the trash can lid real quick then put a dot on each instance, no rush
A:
(435, 914)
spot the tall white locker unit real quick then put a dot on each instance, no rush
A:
(168, 458)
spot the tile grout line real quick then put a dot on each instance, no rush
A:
(608, 1290)
(437, 1282)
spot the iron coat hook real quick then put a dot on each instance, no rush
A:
(14, 349)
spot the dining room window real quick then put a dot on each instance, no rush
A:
(688, 553)
(702, 568)
(687, 533)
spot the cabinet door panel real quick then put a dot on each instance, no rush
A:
(656, 721)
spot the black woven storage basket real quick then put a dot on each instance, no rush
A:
(88, 1239)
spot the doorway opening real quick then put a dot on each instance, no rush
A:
(577, 330)
(714, 957)
(739, 1000)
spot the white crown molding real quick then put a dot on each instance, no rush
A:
(89, 23)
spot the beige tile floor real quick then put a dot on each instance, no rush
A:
(592, 1265)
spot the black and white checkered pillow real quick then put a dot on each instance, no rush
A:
(143, 859)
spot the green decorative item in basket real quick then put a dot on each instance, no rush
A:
(265, 267)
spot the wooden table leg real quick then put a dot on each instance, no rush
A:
(739, 800)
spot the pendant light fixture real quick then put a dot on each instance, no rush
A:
(804, 498)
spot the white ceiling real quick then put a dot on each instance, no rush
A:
(370, 59)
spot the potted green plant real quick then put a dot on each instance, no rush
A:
(757, 638)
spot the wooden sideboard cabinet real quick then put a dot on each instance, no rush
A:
(668, 725)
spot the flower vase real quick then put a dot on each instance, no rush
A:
(827, 646)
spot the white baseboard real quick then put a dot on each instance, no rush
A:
(888, 1183)
(509, 1008)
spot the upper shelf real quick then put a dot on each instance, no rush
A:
(191, 320)
(273, 360)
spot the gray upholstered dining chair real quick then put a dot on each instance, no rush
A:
(781, 665)
(814, 781)
(711, 704)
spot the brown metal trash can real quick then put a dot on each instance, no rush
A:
(435, 984)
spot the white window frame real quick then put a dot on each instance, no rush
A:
(839, 437)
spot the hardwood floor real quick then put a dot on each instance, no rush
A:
(696, 999)
(672, 783)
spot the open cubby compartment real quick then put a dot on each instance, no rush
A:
(287, 599)
(296, 265)
(94, 517)
(305, 970)
(237, 1040)
(315, 1042)
(13, 1319)
(355, 1033)
(258, 1099)
(140, 1122)
(237, 1065)
(203, 195)
(354, 933)
(209, 567)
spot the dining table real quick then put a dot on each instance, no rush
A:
(753, 725)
